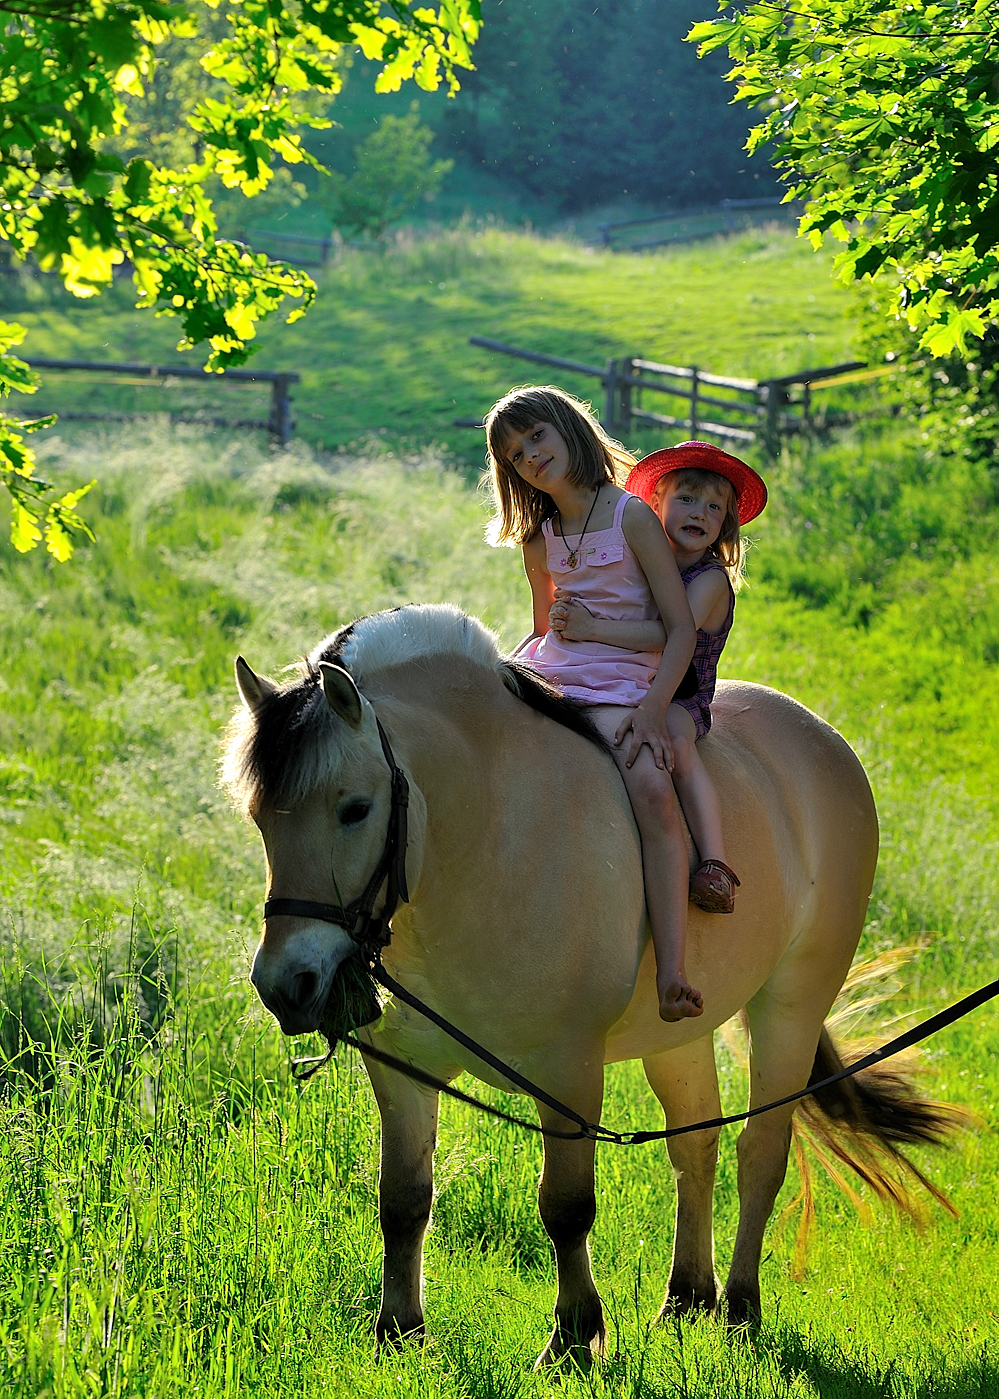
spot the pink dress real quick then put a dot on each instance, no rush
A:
(610, 582)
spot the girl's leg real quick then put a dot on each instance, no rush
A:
(664, 861)
(713, 884)
(697, 793)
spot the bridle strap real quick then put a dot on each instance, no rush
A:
(363, 926)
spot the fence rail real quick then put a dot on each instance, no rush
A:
(769, 405)
(325, 245)
(702, 221)
(279, 423)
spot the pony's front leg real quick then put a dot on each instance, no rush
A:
(568, 1204)
(405, 1192)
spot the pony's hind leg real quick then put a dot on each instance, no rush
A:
(686, 1083)
(783, 1038)
(568, 1205)
(405, 1191)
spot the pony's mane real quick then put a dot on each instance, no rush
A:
(293, 742)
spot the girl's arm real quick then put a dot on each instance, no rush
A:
(647, 722)
(542, 588)
(707, 598)
(577, 623)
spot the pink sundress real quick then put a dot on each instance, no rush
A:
(610, 582)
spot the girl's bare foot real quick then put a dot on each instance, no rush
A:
(679, 1001)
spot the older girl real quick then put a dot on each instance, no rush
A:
(554, 474)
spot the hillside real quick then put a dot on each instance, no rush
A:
(385, 350)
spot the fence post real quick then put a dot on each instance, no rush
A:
(773, 399)
(610, 394)
(693, 401)
(624, 398)
(280, 419)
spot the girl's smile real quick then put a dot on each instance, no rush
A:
(539, 455)
(692, 517)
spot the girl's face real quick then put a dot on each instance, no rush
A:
(538, 455)
(692, 516)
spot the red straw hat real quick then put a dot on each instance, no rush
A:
(750, 492)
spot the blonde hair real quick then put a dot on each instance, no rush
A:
(519, 509)
(730, 547)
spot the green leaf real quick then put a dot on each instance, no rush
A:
(24, 531)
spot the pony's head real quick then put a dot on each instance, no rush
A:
(304, 761)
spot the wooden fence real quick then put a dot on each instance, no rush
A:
(687, 225)
(764, 411)
(279, 423)
(258, 236)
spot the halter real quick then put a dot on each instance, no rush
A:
(369, 930)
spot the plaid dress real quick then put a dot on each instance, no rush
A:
(707, 651)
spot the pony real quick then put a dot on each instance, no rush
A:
(525, 923)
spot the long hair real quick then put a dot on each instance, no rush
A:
(730, 547)
(594, 458)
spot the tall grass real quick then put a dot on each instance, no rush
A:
(179, 1217)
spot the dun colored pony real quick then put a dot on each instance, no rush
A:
(526, 927)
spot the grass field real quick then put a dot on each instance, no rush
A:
(179, 1218)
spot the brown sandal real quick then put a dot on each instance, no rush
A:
(713, 886)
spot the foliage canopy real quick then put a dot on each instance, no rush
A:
(885, 117)
(70, 73)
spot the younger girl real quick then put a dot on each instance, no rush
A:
(702, 496)
(554, 477)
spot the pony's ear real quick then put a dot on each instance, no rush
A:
(255, 690)
(342, 695)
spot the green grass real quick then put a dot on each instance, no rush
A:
(180, 1218)
(385, 350)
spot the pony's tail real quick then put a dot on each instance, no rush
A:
(862, 1123)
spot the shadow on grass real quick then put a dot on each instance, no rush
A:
(835, 1374)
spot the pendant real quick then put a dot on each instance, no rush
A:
(573, 558)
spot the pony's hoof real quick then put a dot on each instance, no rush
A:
(743, 1310)
(564, 1353)
(689, 1299)
(392, 1333)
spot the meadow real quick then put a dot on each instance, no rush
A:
(180, 1218)
(385, 350)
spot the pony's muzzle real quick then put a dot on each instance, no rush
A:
(293, 980)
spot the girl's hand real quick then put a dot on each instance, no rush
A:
(570, 617)
(646, 726)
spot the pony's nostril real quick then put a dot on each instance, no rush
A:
(302, 991)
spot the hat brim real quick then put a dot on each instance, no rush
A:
(750, 489)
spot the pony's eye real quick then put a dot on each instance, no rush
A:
(354, 813)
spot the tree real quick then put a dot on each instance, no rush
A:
(74, 73)
(885, 117)
(586, 104)
(394, 170)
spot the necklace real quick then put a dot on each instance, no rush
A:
(572, 555)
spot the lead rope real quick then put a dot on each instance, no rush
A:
(595, 1131)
